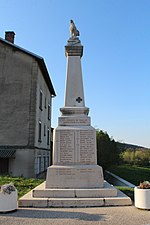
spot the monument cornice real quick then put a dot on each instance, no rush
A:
(74, 50)
(74, 111)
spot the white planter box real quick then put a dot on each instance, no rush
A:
(142, 198)
(8, 202)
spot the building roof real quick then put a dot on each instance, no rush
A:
(40, 61)
(7, 153)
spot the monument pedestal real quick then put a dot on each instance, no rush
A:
(74, 176)
(75, 156)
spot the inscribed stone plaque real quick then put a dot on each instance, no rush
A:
(74, 176)
(74, 121)
(66, 146)
(87, 147)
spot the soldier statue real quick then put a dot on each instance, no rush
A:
(73, 30)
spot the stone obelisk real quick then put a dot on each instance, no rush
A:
(74, 179)
(74, 151)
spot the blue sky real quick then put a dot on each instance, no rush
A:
(115, 63)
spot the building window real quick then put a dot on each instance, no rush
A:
(40, 131)
(49, 112)
(44, 129)
(40, 100)
(45, 165)
(45, 103)
(48, 161)
(38, 164)
(48, 140)
(42, 164)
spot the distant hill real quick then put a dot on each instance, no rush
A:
(123, 146)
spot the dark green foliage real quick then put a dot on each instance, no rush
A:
(106, 150)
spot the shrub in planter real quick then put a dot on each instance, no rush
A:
(142, 195)
(8, 198)
(144, 185)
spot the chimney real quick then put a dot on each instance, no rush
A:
(9, 36)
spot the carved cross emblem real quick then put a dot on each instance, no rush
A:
(79, 99)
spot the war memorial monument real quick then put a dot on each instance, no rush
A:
(74, 179)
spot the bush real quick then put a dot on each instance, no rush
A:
(128, 156)
(140, 157)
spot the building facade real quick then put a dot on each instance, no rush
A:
(26, 93)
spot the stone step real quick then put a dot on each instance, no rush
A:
(42, 192)
(29, 200)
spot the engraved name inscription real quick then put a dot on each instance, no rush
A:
(87, 147)
(67, 146)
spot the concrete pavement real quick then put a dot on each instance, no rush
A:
(123, 215)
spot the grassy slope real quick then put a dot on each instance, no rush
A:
(133, 174)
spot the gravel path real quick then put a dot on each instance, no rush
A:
(127, 215)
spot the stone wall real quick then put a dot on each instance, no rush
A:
(15, 86)
(20, 83)
(23, 163)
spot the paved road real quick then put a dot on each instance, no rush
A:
(127, 215)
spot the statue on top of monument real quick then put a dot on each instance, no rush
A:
(73, 30)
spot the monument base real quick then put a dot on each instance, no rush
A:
(42, 192)
(74, 176)
(41, 197)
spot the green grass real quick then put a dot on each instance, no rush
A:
(127, 190)
(22, 185)
(133, 174)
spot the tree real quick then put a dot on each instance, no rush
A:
(106, 149)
